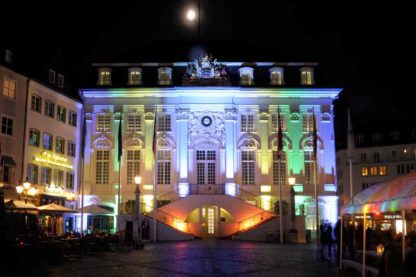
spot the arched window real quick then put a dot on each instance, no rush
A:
(276, 76)
(104, 76)
(135, 76)
(165, 76)
(246, 76)
(307, 76)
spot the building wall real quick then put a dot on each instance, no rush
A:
(13, 108)
(45, 158)
(398, 160)
(224, 106)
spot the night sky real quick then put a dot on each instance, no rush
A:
(362, 47)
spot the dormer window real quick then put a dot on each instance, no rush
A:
(9, 56)
(395, 135)
(135, 76)
(60, 81)
(165, 76)
(377, 137)
(246, 76)
(276, 76)
(359, 139)
(104, 76)
(307, 76)
(52, 75)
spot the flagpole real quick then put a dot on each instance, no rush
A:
(279, 153)
(315, 173)
(154, 180)
(120, 153)
(84, 133)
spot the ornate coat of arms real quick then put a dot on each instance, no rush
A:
(206, 68)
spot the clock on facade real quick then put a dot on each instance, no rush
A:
(206, 121)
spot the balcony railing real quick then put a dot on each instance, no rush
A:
(216, 189)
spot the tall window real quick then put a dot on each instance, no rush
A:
(382, 170)
(60, 81)
(307, 122)
(102, 167)
(133, 165)
(9, 88)
(163, 123)
(104, 77)
(276, 76)
(364, 171)
(72, 118)
(70, 180)
(247, 123)
(363, 158)
(135, 76)
(60, 145)
(46, 176)
(163, 167)
(34, 137)
(32, 173)
(134, 123)
(47, 141)
(282, 122)
(71, 148)
(306, 76)
(8, 57)
(7, 125)
(279, 172)
(376, 156)
(206, 167)
(373, 170)
(103, 123)
(377, 137)
(36, 104)
(49, 108)
(59, 177)
(308, 163)
(248, 166)
(52, 75)
(61, 114)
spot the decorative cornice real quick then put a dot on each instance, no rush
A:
(182, 114)
(149, 116)
(230, 114)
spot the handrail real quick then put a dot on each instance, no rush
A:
(207, 189)
(256, 198)
(169, 219)
(254, 220)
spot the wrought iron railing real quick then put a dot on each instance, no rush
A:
(168, 219)
(215, 189)
(249, 197)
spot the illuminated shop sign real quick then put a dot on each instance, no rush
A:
(59, 191)
(392, 216)
(54, 159)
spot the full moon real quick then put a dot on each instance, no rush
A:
(190, 15)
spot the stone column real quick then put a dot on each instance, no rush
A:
(230, 150)
(182, 117)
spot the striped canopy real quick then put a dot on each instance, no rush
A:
(391, 196)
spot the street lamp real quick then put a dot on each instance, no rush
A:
(26, 189)
(292, 180)
(137, 180)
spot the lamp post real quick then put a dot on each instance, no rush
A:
(26, 189)
(292, 181)
(137, 211)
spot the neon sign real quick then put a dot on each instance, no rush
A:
(52, 158)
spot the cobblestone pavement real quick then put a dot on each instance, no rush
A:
(201, 258)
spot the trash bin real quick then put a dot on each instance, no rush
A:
(308, 236)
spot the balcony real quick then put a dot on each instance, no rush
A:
(217, 189)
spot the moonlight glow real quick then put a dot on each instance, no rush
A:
(190, 15)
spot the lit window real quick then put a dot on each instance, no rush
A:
(34, 136)
(134, 123)
(279, 168)
(382, 170)
(71, 148)
(52, 76)
(72, 118)
(102, 173)
(163, 167)
(9, 56)
(248, 167)
(374, 171)
(47, 141)
(36, 103)
(61, 114)
(135, 76)
(49, 108)
(32, 173)
(133, 165)
(9, 88)
(307, 122)
(103, 123)
(306, 76)
(282, 122)
(165, 76)
(308, 163)
(246, 76)
(60, 145)
(60, 81)
(59, 177)
(276, 76)
(46, 176)
(104, 76)
(163, 123)
(247, 123)
(377, 137)
(70, 180)
(7, 126)
(364, 171)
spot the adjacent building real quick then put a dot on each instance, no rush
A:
(203, 137)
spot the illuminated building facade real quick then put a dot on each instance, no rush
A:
(379, 152)
(214, 158)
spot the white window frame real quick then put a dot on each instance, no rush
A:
(46, 173)
(308, 166)
(49, 108)
(134, 122)
(36, 103)
(133, 159)
(248, 122)
(33, 173)
(7, 125)
(50, 140)
(59, 177)
(248, 167)
(135, 76)
(276, 76)
(52, 76)
(58, 142)
(164, 167)
(61, 116)
(246, 76)
(102, 167)
(279, 173)
(71, 148)
(307, 76)
(164, 123)
(103, 123)
(307, 122)
(274, 126)
(31, 133)
(72, 118)
(8, 89)
(70, 177)
(104, 77)
(61, 81)
(164, 76)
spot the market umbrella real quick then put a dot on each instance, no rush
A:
(94, 209)
(19, 205)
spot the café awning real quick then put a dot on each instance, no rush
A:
(18, 205)
(55, 208)
(392, 196)
(94, 209)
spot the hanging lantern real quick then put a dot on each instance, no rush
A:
(380, 249)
